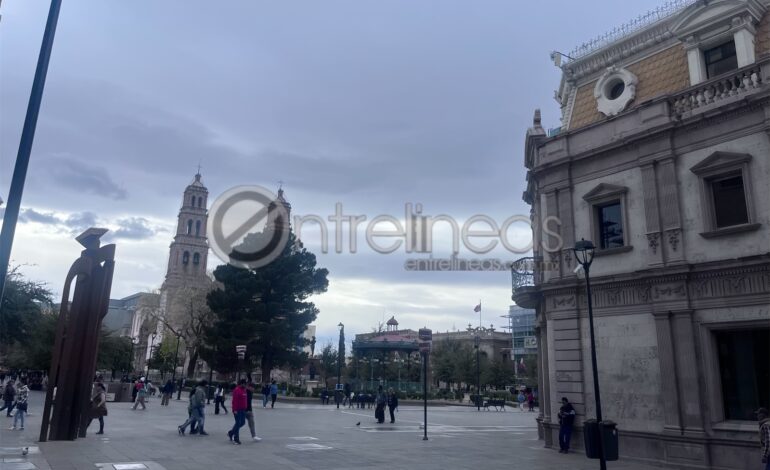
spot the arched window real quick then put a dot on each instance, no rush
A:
(200, 201)
(196, 258)
(186, 257)
(189, 227)
(197, 228)
(193, 201)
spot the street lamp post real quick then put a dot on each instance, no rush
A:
(152, 343)
(476, 344)
(584, 254)
(340, 354)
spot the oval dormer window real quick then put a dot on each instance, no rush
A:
(615, 90)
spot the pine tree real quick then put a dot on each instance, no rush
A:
(266, 309)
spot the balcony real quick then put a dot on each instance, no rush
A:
(523, 286)
(722, 90)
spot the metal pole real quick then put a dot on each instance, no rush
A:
(25, 144)
(478, 376)
(425, 396)
(208, 391)
(602, 460)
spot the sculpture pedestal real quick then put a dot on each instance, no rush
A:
(310, 385)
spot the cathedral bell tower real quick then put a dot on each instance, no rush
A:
(189, 250)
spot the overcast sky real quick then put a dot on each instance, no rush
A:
(369, 103)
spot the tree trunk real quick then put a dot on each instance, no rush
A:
(191, 364)
(267, 367)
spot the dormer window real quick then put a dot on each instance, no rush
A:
(720, 59)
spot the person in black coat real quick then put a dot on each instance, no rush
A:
(380, 401)
(566, 420)
(392, 404)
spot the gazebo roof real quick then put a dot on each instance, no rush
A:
(387, 342)
(392, 321)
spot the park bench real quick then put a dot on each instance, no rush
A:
(498, 404)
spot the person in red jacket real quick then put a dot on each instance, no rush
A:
(238, 407)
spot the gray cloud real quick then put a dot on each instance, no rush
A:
(134, 228)
(77, 223)
(84, 177)
(31, 215)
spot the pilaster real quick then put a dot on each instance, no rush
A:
(652, 215)
(672, 240)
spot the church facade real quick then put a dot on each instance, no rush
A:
(663, 161)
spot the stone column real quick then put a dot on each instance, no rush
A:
(672, 242)
(545, 380)
(652, 215)
(683, 334)
(669, 396)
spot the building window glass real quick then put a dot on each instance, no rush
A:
(720, 59)
(744, 371)
(729, 201)
(610, 220)
(196, 258)
(186, 257)
(189, 227)
(197, 228)
(193, 201)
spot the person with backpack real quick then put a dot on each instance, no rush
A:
(196, 410)
(239, 412)
(21, 404)
(98, 406)
(9, 394)
(219, 398)
(141, 394)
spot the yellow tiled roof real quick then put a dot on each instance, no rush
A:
(660, 74)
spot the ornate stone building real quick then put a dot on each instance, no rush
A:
(663, 161)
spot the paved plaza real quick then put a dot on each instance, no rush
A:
(295, 437)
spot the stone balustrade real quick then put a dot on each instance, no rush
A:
(719, 89)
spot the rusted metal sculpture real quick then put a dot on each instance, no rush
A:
(73, 359)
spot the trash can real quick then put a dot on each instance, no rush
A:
(610, 440)
(607, 432)
(591, 438)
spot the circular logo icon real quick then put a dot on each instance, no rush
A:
(248, 226)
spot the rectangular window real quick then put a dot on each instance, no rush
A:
(610, 219)
(720, 59)
(729, 201)
(744, 371)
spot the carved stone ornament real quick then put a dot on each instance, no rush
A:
(673, 237)
(614, 90)
(652, 241)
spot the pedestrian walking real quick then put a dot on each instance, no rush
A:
(352, 399)
(249, 411)
(219, 398)
(392, 404)
(141, 394)
(21, 404)
(9, 395)
(521, 399)
(764, 435)
(98, 406)
(239, 412)
(265, 394)
(566, 420)
(196, 410)
(531, 401)
(167, 391)
(273, 393)
(381, 400)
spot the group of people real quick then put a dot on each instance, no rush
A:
(15, 396)
(528, 398)
(240, 405)
(382, 399)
